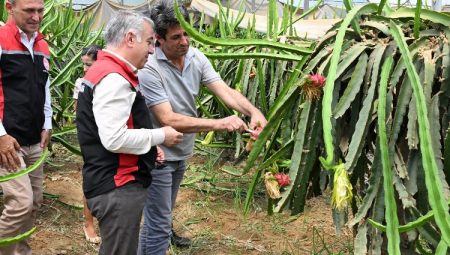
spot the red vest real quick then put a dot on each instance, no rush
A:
(103, 170)
(22, 85)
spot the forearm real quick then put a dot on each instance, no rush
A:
(233, 99)
(188, 124)
(131, 141)
(238, 102)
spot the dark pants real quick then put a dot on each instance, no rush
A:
(119, 214)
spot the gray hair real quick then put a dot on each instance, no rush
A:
(122, 23)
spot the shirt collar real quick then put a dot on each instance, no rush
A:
(133, 68)
(159, 54)
(24, 36)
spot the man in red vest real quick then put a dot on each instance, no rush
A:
(25, 116)
(115, 133)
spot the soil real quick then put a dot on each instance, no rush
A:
(209, 210)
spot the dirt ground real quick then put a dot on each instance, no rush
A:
(209, 210)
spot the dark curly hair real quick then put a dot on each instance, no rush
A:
(163, 15)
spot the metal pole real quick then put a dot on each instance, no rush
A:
(437, 5)
(305, 5)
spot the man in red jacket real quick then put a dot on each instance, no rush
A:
(25, 116)
(115, 133)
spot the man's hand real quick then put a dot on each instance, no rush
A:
(173, 137)
(160, 157)
(8, 153)
(232, 123)
(257, 123)
(45, 137)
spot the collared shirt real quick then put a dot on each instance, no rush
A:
(47, 105)
(111, 105)
(161, 81)
(135, 70)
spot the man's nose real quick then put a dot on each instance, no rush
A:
(36, 16)
(184, 39)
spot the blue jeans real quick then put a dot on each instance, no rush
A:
(160, 200)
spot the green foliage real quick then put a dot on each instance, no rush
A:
(31, 168)
(406, 146)
(271, 63)
(11, 240)
(3, 13)
(392, 232)
(67, 32)
(429, 162)
(350, 125)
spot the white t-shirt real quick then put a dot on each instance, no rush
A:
(77, 87)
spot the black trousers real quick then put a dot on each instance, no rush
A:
(119, 215)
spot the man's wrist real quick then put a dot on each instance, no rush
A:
(254, 112)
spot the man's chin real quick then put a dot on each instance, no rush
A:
(142, 64)
(33, 28)
(183, 52)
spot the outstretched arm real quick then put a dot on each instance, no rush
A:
(238, 102)
(186, 124)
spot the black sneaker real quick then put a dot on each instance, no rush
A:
(180, 241)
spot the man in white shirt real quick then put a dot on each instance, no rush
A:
(25, 117)
(115, 133)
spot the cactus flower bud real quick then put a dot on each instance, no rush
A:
(282, 179)
(312, 88)
(342, 190)
(272, 187)
(317, 80)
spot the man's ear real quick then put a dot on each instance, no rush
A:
(8, 7)
(129, 38)
(158, 37)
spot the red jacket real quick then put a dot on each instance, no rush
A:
(22, 85)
